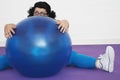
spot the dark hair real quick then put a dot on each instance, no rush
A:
(44, 5)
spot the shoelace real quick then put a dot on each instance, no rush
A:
(99, 59)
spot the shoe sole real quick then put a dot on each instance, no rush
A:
(111, 54)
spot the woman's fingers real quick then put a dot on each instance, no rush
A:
(9, 30)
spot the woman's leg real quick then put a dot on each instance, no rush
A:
(104, 61)
(4, 63)
(81, 60)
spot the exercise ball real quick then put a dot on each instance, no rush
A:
(38, 48)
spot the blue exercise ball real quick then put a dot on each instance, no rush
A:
(38, 48)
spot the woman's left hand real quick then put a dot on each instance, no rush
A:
(63, 25)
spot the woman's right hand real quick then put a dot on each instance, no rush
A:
(9, 30)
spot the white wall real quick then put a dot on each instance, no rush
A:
(91, 21)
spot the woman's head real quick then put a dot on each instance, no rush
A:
(41, 9)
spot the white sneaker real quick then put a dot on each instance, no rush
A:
(106, 61)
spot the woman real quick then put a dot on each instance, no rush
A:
(104, 61)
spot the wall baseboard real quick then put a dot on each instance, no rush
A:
(85, 42)
(2, 43)
(96, 41)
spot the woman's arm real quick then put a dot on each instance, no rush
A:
(9, 28)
